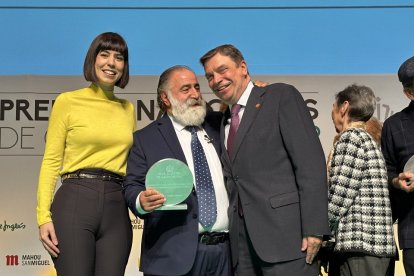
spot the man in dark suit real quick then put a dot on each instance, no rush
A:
(397, 143)
(274, 168)
(180, 242)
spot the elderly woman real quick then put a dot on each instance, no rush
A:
(359, 206)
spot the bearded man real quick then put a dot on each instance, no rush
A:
(180, 242)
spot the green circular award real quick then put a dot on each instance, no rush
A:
(173, 179)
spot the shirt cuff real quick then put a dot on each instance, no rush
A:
(138, 206)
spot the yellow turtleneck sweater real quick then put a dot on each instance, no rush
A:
(88, 128)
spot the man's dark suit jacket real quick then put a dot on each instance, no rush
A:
(278, 170)
(170, 238)
(397, 143)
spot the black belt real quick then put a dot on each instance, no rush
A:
(100, 174)
(211, 238)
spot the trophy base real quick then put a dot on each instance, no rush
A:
(173, 207)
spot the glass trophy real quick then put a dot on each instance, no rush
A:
(173, 179)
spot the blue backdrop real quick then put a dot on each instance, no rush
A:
(277, 37)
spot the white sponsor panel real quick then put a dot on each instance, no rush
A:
(25, 105)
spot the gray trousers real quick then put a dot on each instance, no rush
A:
(93, 228)
(357, 264)
(249, 264)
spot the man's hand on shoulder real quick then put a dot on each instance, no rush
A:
(260, 83)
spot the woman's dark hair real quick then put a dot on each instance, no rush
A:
(106, 41)
(361, 101)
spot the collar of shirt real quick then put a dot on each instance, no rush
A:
(243, 99)
(177, 126)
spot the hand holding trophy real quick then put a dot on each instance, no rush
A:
(173, 179)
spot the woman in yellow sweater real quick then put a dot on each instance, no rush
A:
(86, 226)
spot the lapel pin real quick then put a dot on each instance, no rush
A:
(257, 106)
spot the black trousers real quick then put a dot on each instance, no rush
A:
(408, 261)
(93, 228)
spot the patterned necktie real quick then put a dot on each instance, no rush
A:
(234, 125)
(205, 189)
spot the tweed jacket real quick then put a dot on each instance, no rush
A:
(359, 206)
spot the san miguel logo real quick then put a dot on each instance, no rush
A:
(26, 260)
(137, 224)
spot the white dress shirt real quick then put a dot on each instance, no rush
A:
(213, 160)
(214, 164)
(242, 102)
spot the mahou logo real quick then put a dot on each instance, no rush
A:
(12, 260)
(26, 260)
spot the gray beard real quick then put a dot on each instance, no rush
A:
(187, 114)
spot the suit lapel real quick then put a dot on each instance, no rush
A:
(214, 137)
(167, 131)
(251, 110)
